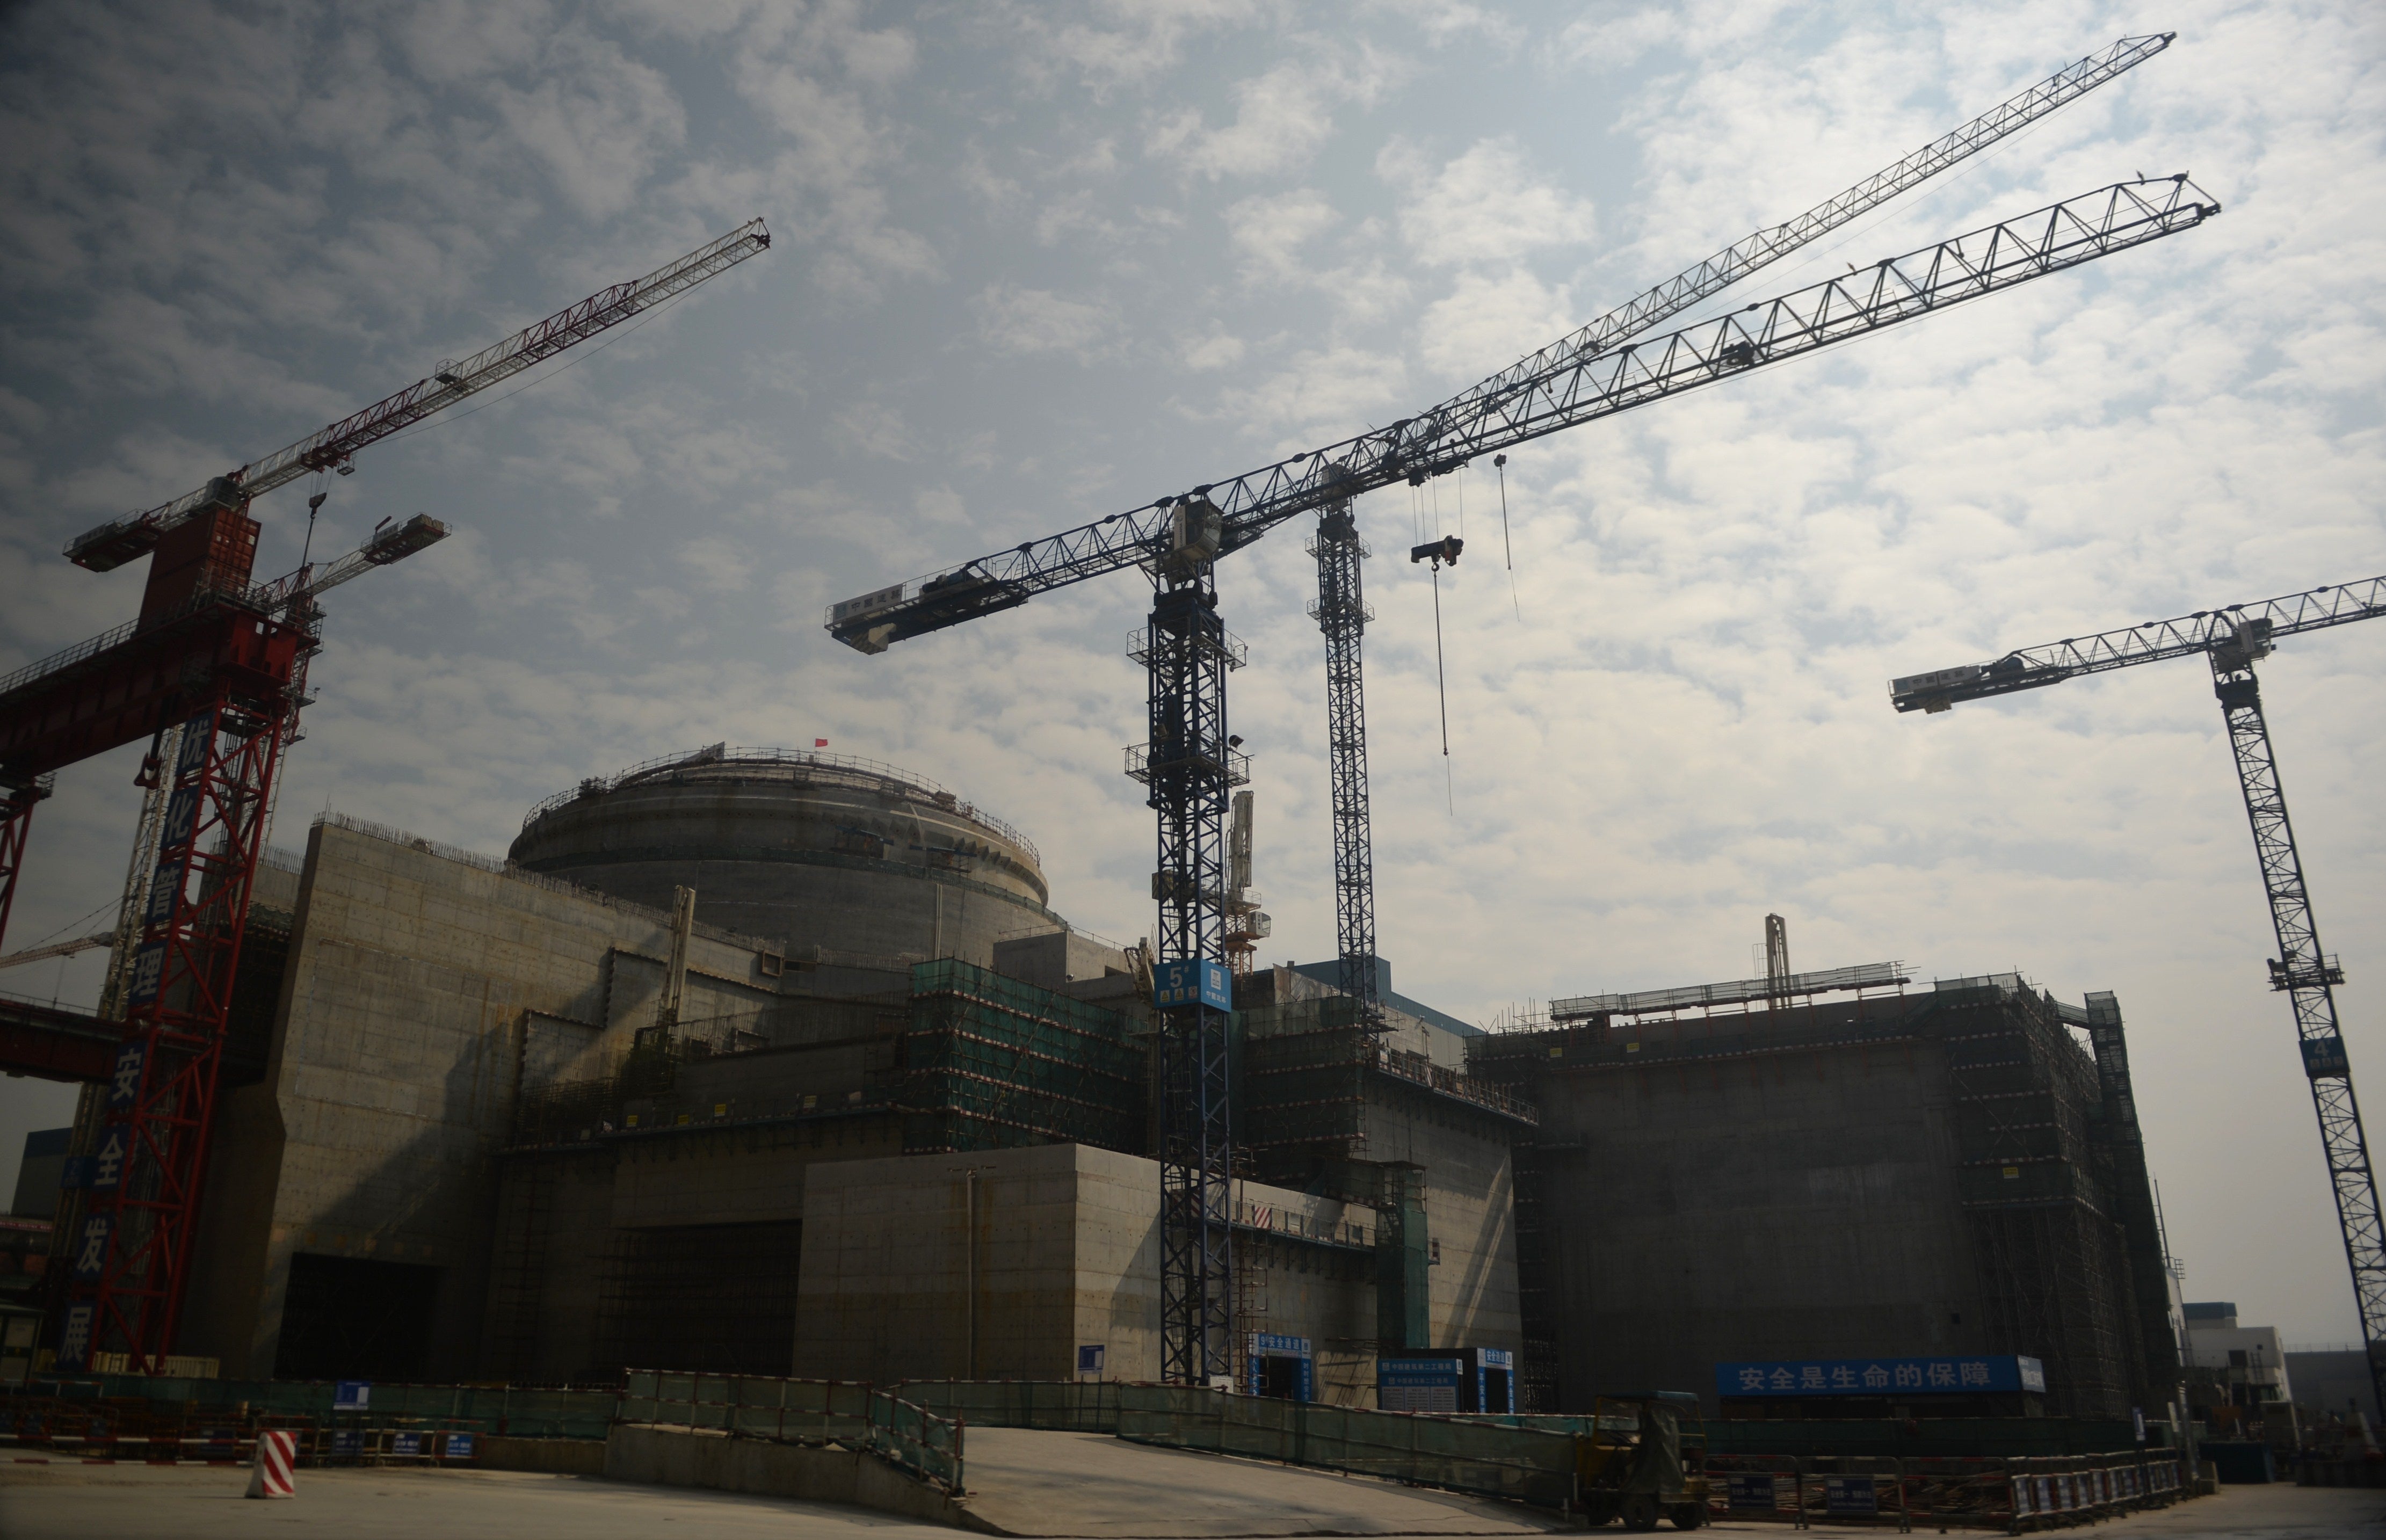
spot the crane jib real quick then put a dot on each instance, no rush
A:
(1998, 257)
(2252, 627)
(112, 544)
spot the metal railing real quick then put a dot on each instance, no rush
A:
(1943, 1493)
(800, 1411)
(859, 771)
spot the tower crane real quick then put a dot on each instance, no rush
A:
(214, 672)
(1341, 610)
(1191, 763)
(2231, 640)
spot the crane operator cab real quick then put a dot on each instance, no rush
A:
(1645, 1460)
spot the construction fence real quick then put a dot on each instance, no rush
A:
(1941, 1493)
(1485, 1458)
(801, 1411)
(133, 1406)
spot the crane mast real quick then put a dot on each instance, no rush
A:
(1341, 611)
(2232, 639)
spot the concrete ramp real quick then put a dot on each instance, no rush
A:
(1031, 1483)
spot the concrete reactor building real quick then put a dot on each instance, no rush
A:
(867, 1108)
(763, 1062)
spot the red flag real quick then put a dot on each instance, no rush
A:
(820, 742)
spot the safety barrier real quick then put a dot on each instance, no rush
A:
(1486, 1457)
(751, 1405)
(1058, 1406)
(1523, 1465)
(508, 1409)
(2029, 1492)
(801, 1411)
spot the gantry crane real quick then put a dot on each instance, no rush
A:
(215, 669)
(1190, 762)
(2232, 639)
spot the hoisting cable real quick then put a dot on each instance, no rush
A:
(1442, 688)
(1501, 463)
(1444, 550)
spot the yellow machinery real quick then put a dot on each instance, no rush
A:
(1645, 1460)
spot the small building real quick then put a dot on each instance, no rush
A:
(2229, 1365)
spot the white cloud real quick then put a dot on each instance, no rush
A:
(1485, 206)
(1271, 230)
(1282, 118)
(1036, 320)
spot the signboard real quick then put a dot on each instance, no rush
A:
(108, 1164)
(124, 1076)
(148, 968)
(1298, 1376)
(351, 1394)
(74, 1337)
(2325, 1056)
(91, 1248)
(406, 1445)
(1192, 981)
(1756, 1492)
(1090, 1356)
(1418, 1385)
(460, 1447)
(347, 1443)
(1850, 1495)
(181, 819)
(1949, 1376)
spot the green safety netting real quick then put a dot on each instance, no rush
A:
(462, 1409)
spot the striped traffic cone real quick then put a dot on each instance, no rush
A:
(269, 1474)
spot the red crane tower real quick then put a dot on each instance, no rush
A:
(216, 666)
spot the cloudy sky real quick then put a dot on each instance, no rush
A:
(1035, 264)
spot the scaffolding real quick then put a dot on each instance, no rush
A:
(2052, 1259)
(992, 1063)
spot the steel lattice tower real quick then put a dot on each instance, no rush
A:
(2307, 977)
(1191, 767)
(1342, 614)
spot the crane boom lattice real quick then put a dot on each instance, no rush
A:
(114, 543)
(1982, 262)
(2232, 639)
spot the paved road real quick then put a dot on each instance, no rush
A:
(72, 1502)
(1091, 1484)
(2277, 1513)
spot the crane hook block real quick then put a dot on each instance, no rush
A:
(1441, 553)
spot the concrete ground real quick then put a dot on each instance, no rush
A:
(1202, 1496)
(1091, 1484)
(2274, 1513)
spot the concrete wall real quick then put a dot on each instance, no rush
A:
(414, 982)
(1774, 1206)
(1064, 1252)
(1057, 959)
(834, 857)
(1469, 1210)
